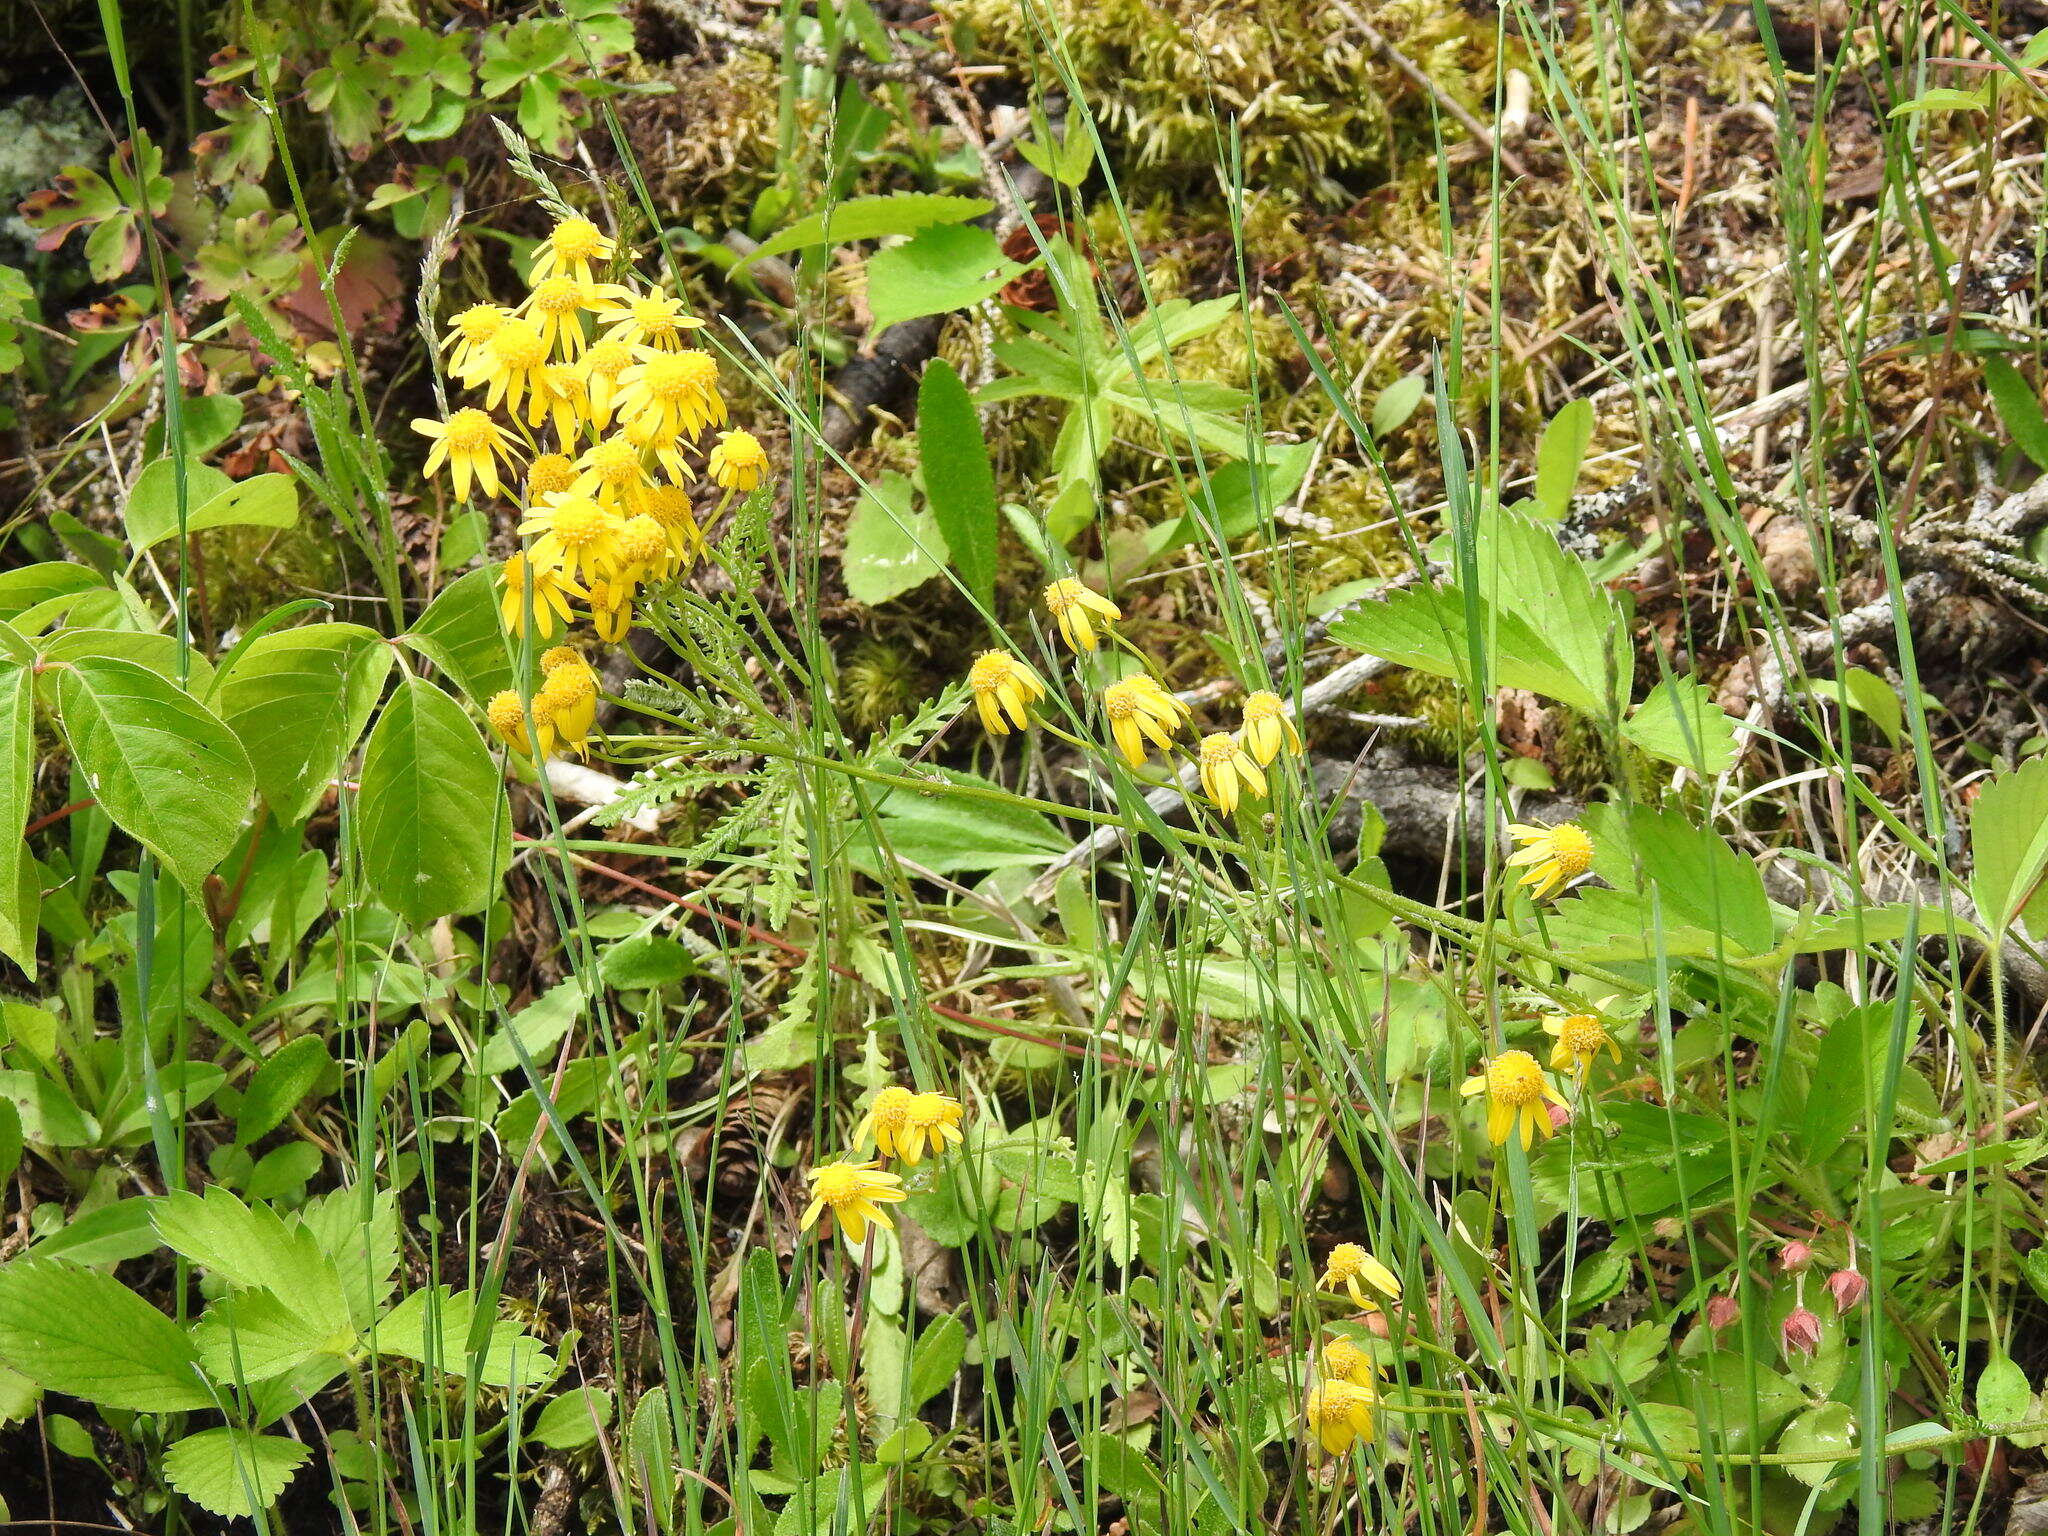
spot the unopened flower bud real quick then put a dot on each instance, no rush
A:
(1848, 1287)
(1800, 1332)
(1722, 1311)
(1794, 1257)
(1560, 1116)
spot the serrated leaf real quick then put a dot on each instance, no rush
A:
(164, 768)
(1424, 628)
(434, 836)
(253, 1247)
(80, 1332)
(235, 1473)
(439, 1327)
(252, 1336)
(872, 218)
(297, 701)
(959, 485)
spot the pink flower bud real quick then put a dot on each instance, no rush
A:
(1848, 1287)
(1560, 1116)
(1794, 1257)
(1801, 1332)
(1722, 1311)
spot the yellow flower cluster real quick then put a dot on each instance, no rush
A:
(607, 370)
(1340, 1406)
(902, 1124)
(1142, 715)
(1519, 1096)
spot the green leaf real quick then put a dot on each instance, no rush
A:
(235, 1473)
(958, 482)
(30, 587)
(872, 218)
(1943, 99)
(1700, 882)
(573, 1419)
(539, 1025)
(252, 1336)
(1559, 454)
(1424, 628)
(113, 1233)
(434, 834)
(20, 890)
(2009, 849)
(212, 501)
(1680, 723)
(1876, 699)
(279, 1084)
(253, 1248)
(440, 1327)
(462, 635)
(2003, 1393)
(297, 700)
(1523, 572)
(935, 1360)
(2018, 405)
(1396, 403)
(1829, 1430)
(166, 770)
(889, 548)
(205, 422)
(949, 835)
(80, 1332)
(945, 267)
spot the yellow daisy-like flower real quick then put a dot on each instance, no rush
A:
(470, 444)
(578, 535)
(1228, 769)
(1340, 1415)
(556, 657)
(669, 505)
(653, 319)
(1140, 710)
(930, 1120)
(614, 471)
(643, 550)
(467, 335)
(1516, 1091)
(602, 367)
(549, 475)
(1266, 727)
(667, 395)
(1345, 1361)
(507, 717)
(855, 1193)
(507, 363)
(551, 591)
(611, 609)
(1349, 1268)
(738, 461)
(558, 397)
(1552, 856)
(1001, 684)
(1580, 1037)
(572, 691)
(1070, 604)
(883, 1123)
(557, 305)
(569, 251)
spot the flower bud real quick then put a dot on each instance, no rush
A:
(1722, 1311)
(1794, 1257)
(1560, 1116)
(1800, 1332)
(1848, 1287)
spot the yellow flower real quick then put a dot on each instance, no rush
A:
(602, 365)
(507, 717)
(467, 334)
(669, 505)
(557, 395)
(572, 691)
(556, 657)
(613, 471)
(557, 305)
(1340, 1414)
(1515, 1090)
(508, 363)
(1140, 710)
(1580, 1037)
(931, 1119)
(1266, 727)
(611, 609)
(1070, 604)
(1003, 683)
(549, 475)
(667, 395)
(654, 319)
(855, 1193)
(1345, 1361)
(643, 550)
(569, 250)
(883, 1123)
(577, 534)
(1553, 855)
(1227, 768)
(1347, 1265)
(738, 461)
(470, 444)
(551, 593)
